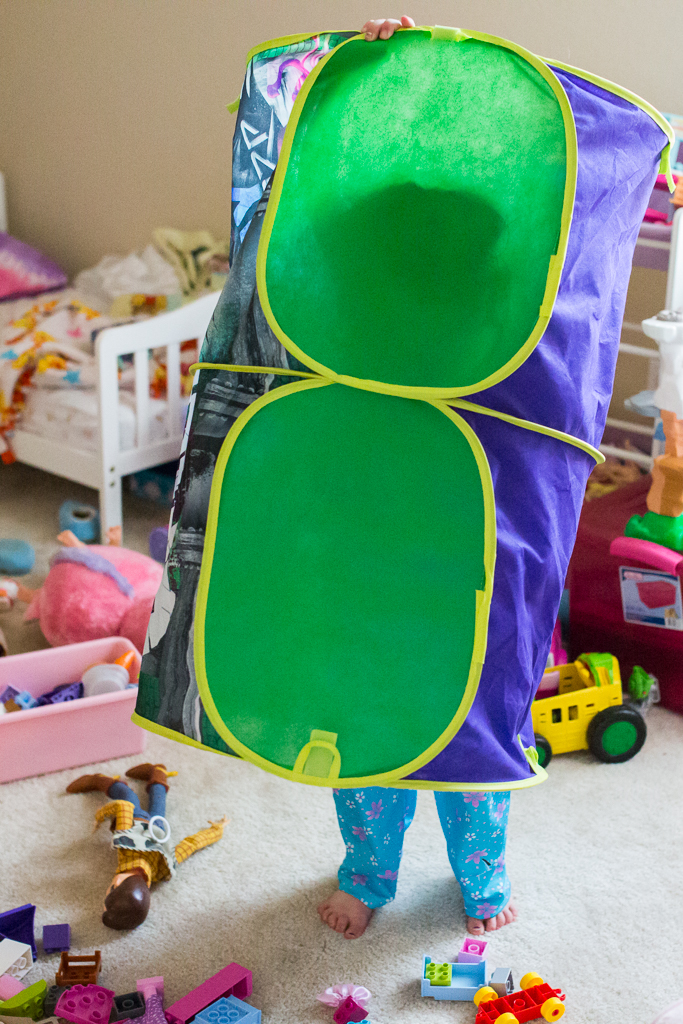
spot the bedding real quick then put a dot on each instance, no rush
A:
(71, 416)
(48, 374)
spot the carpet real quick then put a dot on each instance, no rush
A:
(595, 856)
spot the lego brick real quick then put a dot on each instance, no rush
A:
(473, 951)
(85, 1004)
(232, 980)
(438, 974)
(466, 980)
(128, 1007)
(349, 1011)
(229, 1011)
(25, 700)
(79, 970)
(56, 938)
(15, 958)
(10, 987)
(18, 924)
(501, 981)
(27, 1003)
(9, 693)
(150, 986)
(52, 998)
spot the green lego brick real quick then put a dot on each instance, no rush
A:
(28, 1003)
(439, 974)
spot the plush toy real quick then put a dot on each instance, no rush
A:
(94, 591)
(141, 840)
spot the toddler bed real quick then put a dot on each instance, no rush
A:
(96, 435)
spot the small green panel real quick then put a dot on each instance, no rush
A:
(419, 210)
(617, 739)
(349, 546)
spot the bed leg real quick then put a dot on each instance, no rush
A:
(111, 513)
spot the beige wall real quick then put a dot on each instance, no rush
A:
(113, 111)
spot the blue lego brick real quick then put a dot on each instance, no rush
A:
(230, 1010)
(466, 980)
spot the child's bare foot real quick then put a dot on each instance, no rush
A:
(477, 926)
(345, 914)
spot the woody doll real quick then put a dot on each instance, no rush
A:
(140, 839)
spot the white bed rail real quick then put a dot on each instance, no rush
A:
(167, 330)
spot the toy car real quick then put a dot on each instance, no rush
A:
(534, 1000)
(586, 712)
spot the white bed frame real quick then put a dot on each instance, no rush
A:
(103, 469)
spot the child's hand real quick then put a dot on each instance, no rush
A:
(384, 28)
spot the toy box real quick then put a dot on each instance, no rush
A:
(611, 593)
(47, 739)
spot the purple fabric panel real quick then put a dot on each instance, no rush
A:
(565, 383)
(96, 563)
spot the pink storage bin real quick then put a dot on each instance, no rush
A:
(76, 732)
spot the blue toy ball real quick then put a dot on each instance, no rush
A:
(16, 557)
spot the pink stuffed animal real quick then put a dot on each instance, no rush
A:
(94, 591)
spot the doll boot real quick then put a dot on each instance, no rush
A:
(92, 783)
(151, 774)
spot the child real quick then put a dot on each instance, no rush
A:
(373, 821)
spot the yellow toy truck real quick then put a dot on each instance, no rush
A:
(580, 706)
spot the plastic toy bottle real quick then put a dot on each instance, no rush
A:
(106, 678)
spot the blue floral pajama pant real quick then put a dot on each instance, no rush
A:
(373, 823)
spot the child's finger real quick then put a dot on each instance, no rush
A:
(383, 28)
(407, 22)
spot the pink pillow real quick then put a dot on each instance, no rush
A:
(25, 271)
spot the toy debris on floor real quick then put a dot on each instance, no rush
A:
(534, 1000)
(77, 996)
(141, 840)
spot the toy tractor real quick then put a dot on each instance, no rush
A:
(534, 1000)
(580, 707)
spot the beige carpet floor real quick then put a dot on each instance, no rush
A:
(595, 856)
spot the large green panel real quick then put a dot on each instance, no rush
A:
(420, 207)
(349, 543)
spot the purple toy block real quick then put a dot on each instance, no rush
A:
(85, 1004)
(17, 924)
(56, 938)
(9, 693)
(66, 691)
(233, 980)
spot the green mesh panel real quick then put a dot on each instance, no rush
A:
(420, 207)
(349, 546)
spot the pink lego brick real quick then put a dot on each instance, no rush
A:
(85, 1004)
(233, 980)
(147, 986)
(473, 951)
(9, 987)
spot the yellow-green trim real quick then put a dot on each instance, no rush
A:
(536, 427)
(171, 734)
(637, 101)
(482, 599)
(266, 370)
(459, 403)
(556, 262)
